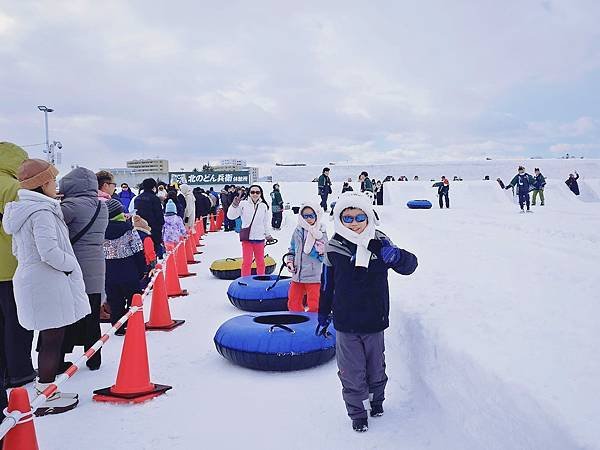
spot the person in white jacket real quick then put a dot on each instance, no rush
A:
(48, 283)
(189, 217)
(256, 227)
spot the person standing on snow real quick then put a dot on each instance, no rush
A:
(125, 262)
(87, 218)
(305, 258)
(538, 186)
(366, 185)
(16, 368)
(523, 183)
(254, 212)
(149, 208)
(324, 187)
(48, 283)
(189, 214)
(572, 183)
(354, 286)
(443, 190)
(276, 207)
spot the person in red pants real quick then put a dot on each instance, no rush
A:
(305, 258)
(256, 227)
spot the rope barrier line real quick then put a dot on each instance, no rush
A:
(15, 417)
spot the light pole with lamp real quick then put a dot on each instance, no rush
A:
(49, 147)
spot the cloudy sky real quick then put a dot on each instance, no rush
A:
(282, 81)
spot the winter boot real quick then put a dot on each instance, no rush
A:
(14, 382)
(58, 403)
(360, 425)
(376, 410)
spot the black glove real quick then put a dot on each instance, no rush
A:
(375, 246)
(324, 321)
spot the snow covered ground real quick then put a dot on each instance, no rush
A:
(493, 343)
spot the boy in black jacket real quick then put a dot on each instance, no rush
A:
(354, 286)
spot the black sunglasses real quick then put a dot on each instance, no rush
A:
(255, 192)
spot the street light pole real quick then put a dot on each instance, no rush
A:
(47, 110)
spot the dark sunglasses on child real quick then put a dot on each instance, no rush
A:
(359, 218)
(309, 216)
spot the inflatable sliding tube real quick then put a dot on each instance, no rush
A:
(274, 342)
(419, 204)
(231, 268)
(260, 293)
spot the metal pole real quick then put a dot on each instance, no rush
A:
(47, 140)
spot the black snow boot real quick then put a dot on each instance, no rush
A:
(360, 425)
(376, 410)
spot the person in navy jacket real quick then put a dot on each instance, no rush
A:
(125, 196)
(354, 287)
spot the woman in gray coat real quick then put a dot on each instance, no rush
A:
(80, 208)
(48, 284)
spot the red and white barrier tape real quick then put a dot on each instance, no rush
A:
(15, 417)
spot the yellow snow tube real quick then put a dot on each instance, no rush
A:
(231, 268)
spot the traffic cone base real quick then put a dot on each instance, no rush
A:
(189, 274)
(175, 323)
(107, 396)
(133, 377)
(182, 293)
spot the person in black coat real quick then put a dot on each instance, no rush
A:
(572, 183)
(203, 205)
(179, 201)
(148, 206)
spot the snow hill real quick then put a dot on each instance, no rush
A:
(493, 343)
(427, 170)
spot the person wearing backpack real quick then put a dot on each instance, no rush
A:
(48, 283)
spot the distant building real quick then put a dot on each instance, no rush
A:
(236, 165)
(149, 165)
(134, 177)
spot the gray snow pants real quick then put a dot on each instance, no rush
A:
(361, 363)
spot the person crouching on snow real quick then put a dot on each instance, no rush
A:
(306, 258)
(173, 229)
(125, 262)
(354, 287)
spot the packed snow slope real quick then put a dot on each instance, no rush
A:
(493, 343)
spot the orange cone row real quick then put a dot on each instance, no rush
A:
(133, 383)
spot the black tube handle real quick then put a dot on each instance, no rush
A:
(283, 327)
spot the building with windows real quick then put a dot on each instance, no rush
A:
(149, 165)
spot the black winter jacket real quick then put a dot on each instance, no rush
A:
(148, 206)
(358, 296)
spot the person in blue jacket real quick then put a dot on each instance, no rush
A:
(523, 182)
(355, 295)
(125, 196)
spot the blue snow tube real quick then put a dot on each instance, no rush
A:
(274, 342)
(260, 293)
(419, 204)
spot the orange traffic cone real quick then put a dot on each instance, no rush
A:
(220, 218)
(160, 314)
(201, 232)
(189, 250)
(172, 280)
(133, 379)
(213, 224)
(22, 435)
(181, 262)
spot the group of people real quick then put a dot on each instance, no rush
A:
(343, 279)
(371, 187)
(62, 257)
